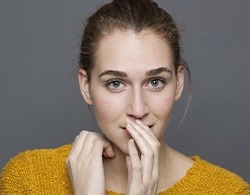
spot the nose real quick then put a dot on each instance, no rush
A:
(137, 107)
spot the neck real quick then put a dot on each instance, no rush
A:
(116, 174)
(115, 170)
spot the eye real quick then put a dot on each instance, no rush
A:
(114, 85)
(156, 83)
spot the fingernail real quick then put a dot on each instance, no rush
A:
(128, 121)
(138, 120)
(129, 126)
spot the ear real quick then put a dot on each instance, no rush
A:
(179, 82)
(84, 86)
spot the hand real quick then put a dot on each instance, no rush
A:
(142, 170)
(85, 163)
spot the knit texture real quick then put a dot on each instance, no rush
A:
(44, 171)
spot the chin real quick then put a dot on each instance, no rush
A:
(121, 147)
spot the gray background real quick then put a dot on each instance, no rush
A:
(40, 103)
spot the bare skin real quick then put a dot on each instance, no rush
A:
(169, 173)
(133, 107)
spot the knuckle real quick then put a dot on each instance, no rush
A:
(91, 137)
(137, 168)
(98, 142)
(70, 161)
(155, 176)
(150, 153)
(139, 135)
(83, 132)
(156, 146)
(83, 160)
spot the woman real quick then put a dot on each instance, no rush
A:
(131, 73)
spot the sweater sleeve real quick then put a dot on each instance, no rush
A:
(13, 176)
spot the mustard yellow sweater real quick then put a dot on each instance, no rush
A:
(44, 171)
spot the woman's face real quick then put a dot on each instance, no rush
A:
(133, 78)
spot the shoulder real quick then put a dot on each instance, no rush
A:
(217, 178)
(31, 166)
(32, 157)
(206, 178)
(36, 157)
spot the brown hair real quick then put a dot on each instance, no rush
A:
(136, 15)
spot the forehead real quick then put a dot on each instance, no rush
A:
(128, 51)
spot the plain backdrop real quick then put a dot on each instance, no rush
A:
(40, 102)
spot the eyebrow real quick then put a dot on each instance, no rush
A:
(151, 72)
(114, 73)
(156, 71)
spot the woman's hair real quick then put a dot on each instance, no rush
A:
(135, 15)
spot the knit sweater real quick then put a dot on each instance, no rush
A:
(44, 171)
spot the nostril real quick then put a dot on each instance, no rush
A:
(138, 110)
(131, 118)
(134, 119)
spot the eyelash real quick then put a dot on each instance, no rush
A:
(114, 89)
(110, 82)
(162, 83)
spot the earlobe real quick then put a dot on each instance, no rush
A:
(179, 82)
(84, 86)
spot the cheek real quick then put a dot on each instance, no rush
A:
(109, 114)
(108, 109)
(102, 106)
(162, 110)
(165, 107)
(104, 109)
(162, 104)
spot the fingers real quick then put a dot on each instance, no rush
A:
(92, 145)
(135, 162)
(135, 173)
(129, 167)
(146, 128)
(77, 146)
(108, 150)
(87, 141)
(98, 145)
(149, 147)
(144, 137)
(140, 180)
(85, 163)
(147, 158)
